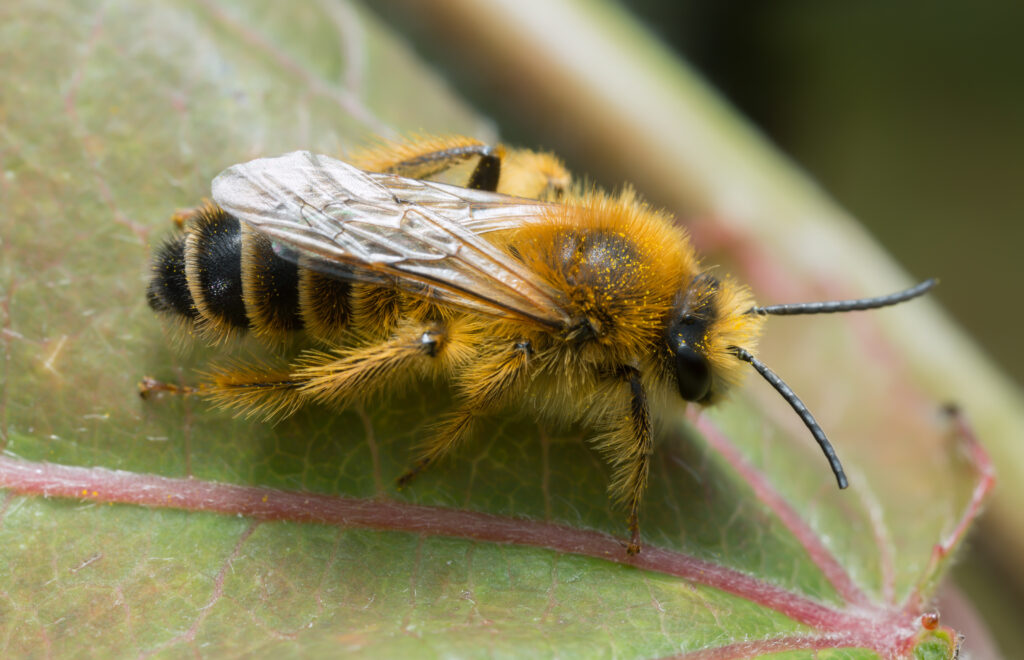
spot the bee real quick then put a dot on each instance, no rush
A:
(520, 288)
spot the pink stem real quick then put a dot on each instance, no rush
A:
(982, 465)
(765, 492)
(101, 484)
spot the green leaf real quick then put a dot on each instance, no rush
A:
(291, 539)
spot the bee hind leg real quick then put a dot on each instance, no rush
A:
(253, 390)
(427, 157)
(337, 378)
(344, 377)
(150, 386)
(486, 384)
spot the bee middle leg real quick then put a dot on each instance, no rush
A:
(627, 444)
(487, 384)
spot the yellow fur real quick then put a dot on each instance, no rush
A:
(617, 267)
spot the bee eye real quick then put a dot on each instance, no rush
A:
(685, 341)
(687, 335)
(693, 373)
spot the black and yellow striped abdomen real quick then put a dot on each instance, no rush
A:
(224, 280)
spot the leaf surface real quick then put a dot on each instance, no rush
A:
(291, 538)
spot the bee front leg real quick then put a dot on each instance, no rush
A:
(627, 445)
(486, 385)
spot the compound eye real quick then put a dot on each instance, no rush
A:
(693, 373)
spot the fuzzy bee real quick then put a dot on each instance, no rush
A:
(518, 288)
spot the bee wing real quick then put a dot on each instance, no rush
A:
(340, 219)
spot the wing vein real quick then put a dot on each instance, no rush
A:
(413, 233)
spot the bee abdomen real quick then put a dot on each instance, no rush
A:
(325, 304)
(227, 280)
(168, 290)
(270, 287)
(213, 264)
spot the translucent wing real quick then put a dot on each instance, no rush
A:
(424, 235)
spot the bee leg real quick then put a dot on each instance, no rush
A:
(149, 386)
(253, 390)
(486, 173)
(428, 157)
(181, 217)
(360, 373)
(488, 383)
(334, 378)
(628, 445)
(484, 177)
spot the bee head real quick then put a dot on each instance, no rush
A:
(709, 317)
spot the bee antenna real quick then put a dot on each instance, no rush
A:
(805, 415)
(831, 306)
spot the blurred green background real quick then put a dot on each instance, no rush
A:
(909, 113)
